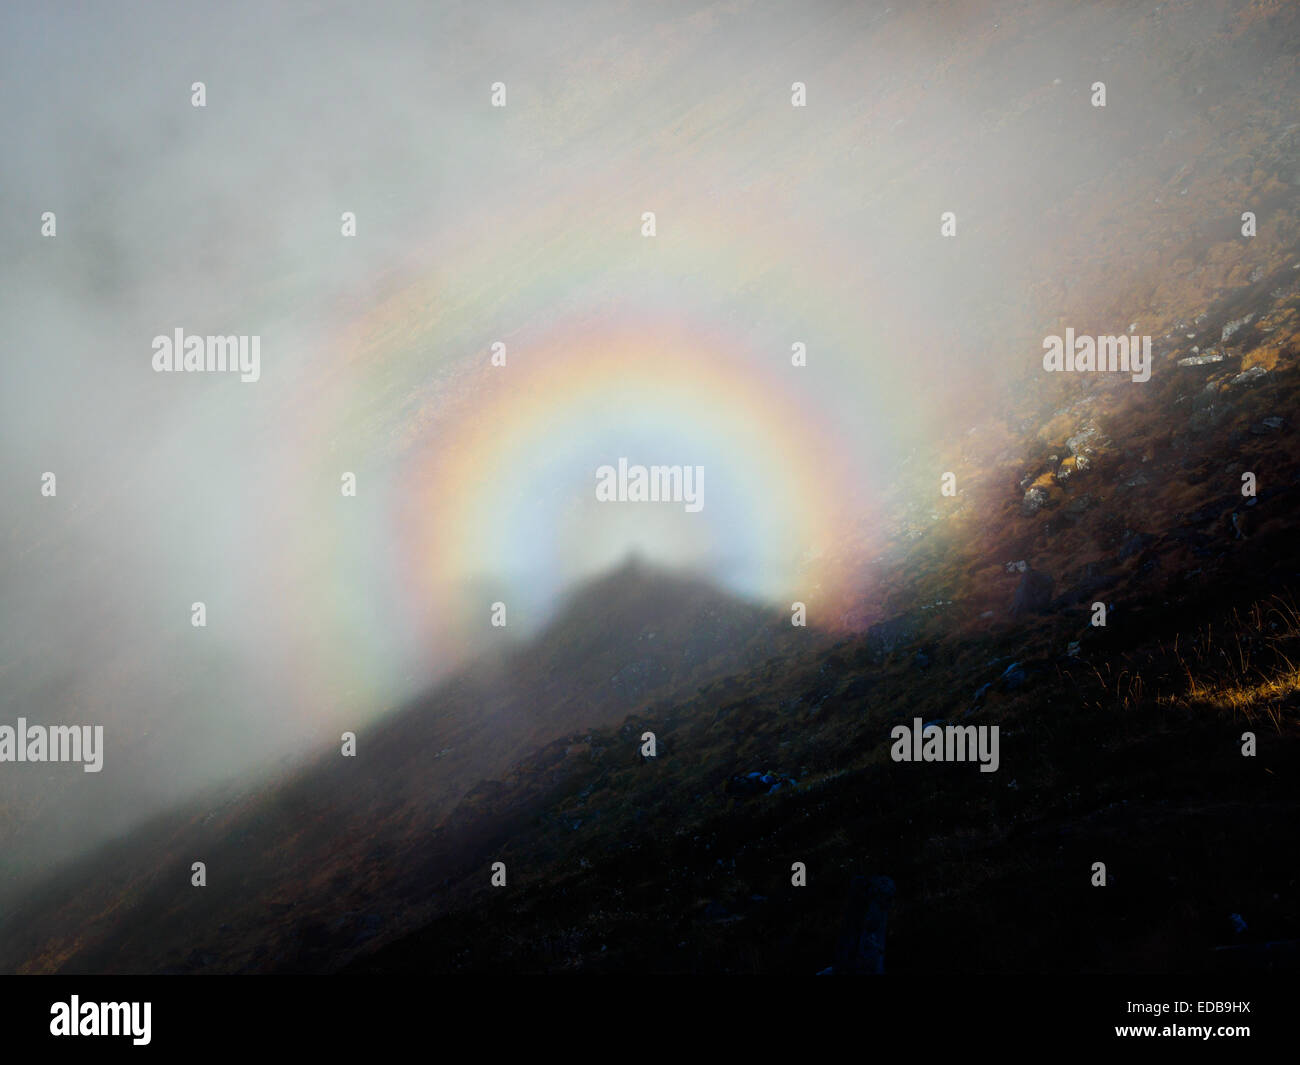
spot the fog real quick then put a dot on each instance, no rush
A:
(523, 224)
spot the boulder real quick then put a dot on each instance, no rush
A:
(1248, 377)
(1012, 677)
(1235, 327)
(748, 785)
(1033, 593)
(1034, 501)
(1086, 440)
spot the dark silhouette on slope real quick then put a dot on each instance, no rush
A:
(344, 833)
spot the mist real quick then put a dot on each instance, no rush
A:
(523, 225)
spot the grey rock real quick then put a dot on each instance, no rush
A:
(1085, 440)
(1248, 377)
(1034, 501)
(1033, 593)
(1235, 327)
(1013, 677)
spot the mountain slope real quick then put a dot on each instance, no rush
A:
(345, 834)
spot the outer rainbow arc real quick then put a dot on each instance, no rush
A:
(795, 478)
